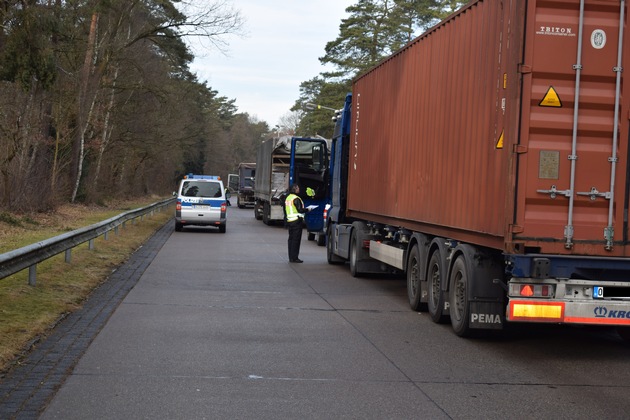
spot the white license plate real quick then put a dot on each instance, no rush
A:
(598, 292)
(201, 207)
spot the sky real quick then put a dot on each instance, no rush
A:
(283, 40)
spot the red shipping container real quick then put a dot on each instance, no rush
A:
(504, 126)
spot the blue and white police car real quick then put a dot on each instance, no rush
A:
(201, 201)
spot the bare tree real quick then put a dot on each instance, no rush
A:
(290, 122)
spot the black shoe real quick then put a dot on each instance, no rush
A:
(297, 260)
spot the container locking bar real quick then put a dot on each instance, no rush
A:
(594, 193)
(554, 192)
(609, 230)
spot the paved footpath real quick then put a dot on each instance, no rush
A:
(27, 389)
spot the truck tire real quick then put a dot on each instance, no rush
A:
(354, 255)
(458, 297)
(414, 281)
(266, 212)
(330, 255)
(436, 270)
(257, 212)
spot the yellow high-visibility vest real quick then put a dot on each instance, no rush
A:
(292, 213)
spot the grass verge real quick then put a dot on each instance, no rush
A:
(28, 313)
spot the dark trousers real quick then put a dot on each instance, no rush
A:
(295, 238)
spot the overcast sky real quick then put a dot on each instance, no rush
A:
(264, 69)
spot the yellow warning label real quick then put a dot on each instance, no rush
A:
(499, 144)
(551, 99)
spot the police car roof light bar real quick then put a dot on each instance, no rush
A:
(193, 176)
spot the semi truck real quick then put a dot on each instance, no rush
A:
(283, 161)
(487, 162)
(245, 186)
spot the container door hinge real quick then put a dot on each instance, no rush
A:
(525, 69)
(520, 149)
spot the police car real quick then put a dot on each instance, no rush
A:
(201, 201)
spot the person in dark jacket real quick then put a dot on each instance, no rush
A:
(294, 210)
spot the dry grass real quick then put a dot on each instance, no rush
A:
(28, 312)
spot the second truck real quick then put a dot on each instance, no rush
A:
(488, 161)
(283, 161)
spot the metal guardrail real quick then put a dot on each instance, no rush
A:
(30, 255)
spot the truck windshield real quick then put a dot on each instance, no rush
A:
(310, 167)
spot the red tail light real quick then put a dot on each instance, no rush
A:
(531, 290)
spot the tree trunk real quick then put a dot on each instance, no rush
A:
(82, 115)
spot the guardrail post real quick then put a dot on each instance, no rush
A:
(116, 231)
(91, 244)
(105, 234)
(68, 255)
(32, 275)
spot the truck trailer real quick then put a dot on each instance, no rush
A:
(272, 179)
(487, 161)
(245, 186)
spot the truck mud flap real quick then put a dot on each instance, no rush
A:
(487, 315)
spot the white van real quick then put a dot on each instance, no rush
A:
(201, 201)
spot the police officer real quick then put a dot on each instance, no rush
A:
(295, 211)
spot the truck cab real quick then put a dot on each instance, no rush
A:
(309, 168)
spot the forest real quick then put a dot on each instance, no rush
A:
(97, 99)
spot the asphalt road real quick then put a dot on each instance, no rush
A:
(221, 326)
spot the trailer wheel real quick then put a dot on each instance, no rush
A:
(414, 280)
(257, 214)
(266, 213)
(330, 255)
(436, 297)
(458, 298)
(354, 255)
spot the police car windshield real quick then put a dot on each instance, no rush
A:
(201, 189)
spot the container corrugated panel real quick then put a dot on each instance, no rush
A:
(424, 130)
(558, 212)
(468, 131)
